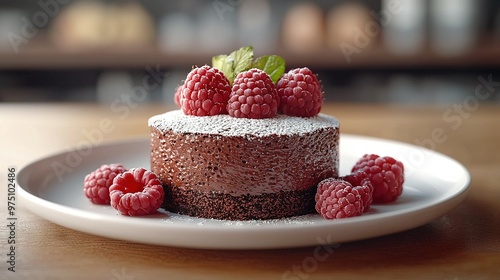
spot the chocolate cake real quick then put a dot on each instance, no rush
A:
(223, 167)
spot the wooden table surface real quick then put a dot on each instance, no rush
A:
(463, 244)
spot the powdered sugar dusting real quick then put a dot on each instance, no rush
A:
(295, 220)
(302, 220)
(226, 125)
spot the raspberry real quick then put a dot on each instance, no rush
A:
(253, 96)
(338, 199)
(386, 175)
(300, 93)
(322, 187)
(177, 96)
(96, 184)
(205, 92)
(136, 192)
(360, 181)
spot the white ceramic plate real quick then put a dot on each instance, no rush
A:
(52, 188)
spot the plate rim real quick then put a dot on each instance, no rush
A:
(37, 203)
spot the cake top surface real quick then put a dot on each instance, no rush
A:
(226, 125)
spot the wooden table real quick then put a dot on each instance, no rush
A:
(464, 244)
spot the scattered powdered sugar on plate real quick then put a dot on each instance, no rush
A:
(296, 220)
(226, 125)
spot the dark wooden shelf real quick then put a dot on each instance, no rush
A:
(46, 56)
(41, 55)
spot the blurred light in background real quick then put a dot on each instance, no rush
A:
(256, 26)
(363, 51)
(404, 26)
(454, 25)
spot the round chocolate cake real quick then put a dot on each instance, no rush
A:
(223, 167)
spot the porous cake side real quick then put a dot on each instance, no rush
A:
(226, 168)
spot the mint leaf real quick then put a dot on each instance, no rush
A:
(234, 63)
(242, 59)
(273, 65)
(225, 64)
(218, 61)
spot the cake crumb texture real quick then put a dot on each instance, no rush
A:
(226, 125)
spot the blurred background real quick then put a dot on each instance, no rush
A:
(401, 51)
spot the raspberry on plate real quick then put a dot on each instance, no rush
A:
(136, 192)
(205, 92)
(386, 175)
(300, 93)
(253, 96)
(338, 199)
(96, 184)
(360, 181)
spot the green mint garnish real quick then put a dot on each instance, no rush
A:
(224, 64)
(234, 63)
(242, 60)
(273, 65)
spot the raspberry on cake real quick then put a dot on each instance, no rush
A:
(205, 92)
(300, 93)
(253, 96)
(177, 96)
